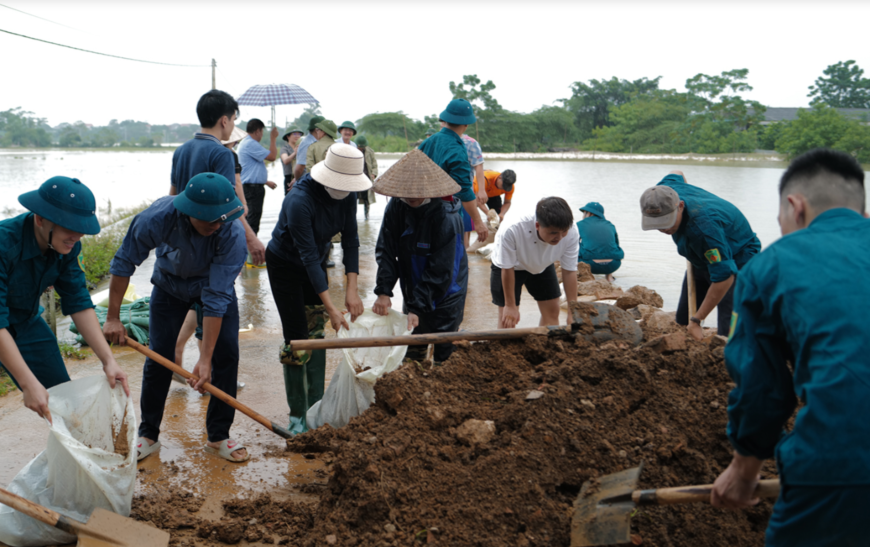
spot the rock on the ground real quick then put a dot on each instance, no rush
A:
(600, 289)
(646, 296)
(669, 343)
(660, 320)
(628, 302)
(475, 432)
(584, 272)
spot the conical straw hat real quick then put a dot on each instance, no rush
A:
(416, 176)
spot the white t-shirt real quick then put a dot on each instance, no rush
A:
(518, 246)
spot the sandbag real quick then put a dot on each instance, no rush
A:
(352, 388)
(134, 316)
(79, 470)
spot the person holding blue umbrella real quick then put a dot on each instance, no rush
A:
(41, 249)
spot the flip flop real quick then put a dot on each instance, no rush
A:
(143, 450)
(227, 447)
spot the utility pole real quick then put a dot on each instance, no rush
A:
(213, 66)
(405, 127)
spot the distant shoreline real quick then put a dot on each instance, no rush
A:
(758, 159)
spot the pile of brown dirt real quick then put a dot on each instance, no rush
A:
(424, 465)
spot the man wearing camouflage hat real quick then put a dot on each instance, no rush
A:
(325, 133)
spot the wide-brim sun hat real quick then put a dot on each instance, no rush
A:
(328, 127)
(342, 169)
(593, 207)
(347, 125)
(65, 202)
(416, 176)
(237, 135)
(294, 130)
(659, 207)
(458, 112)
(209, 197)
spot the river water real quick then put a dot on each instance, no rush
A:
(128, 178)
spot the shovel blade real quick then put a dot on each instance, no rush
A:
(123, 530)
(597, 524)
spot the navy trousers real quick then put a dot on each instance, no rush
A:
(167, 316)
(818, 516)
(38, 347)
(702, 285)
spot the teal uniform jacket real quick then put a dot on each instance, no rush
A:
(714, 234)
(25, 273)
(448, 152)
(799, 333)
(598, 240)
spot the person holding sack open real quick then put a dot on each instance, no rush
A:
(40, 249)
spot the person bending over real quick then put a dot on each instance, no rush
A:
(524, 255)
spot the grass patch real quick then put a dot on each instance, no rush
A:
(6, 384)
(69, 351)
(98, 250)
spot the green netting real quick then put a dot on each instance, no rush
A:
(134, 317)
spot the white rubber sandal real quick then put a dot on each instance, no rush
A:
(143, 450)
(227, 447)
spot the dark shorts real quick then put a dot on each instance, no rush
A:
(605, 268)
(542, 286)
(494, 203)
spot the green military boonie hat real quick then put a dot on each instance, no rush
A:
(66, 202)
(312, 123)
(292, 130)
(328, 127)
(361, 141)
(209, 197)
(348, 125)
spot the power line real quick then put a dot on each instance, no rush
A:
(38, 17)
(97, 52)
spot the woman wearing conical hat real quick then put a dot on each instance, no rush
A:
(321, 205)
(420, 246)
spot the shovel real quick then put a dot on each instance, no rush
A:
(220, 394)
(603, 510)
(103, 529)
(594, 321)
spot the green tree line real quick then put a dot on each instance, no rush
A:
(712, 116)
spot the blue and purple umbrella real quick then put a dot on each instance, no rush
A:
(275, 94)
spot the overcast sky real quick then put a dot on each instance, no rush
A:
(366, 56)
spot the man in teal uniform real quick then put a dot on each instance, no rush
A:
(38, 250)
(599, 244)
(799, 336)
(712, 234)
(448, 152)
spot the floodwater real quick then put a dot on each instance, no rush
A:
(129, 178)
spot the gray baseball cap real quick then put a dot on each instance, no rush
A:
(659, 206)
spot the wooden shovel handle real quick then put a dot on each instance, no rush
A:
(222, 395)
(694, 494)
(690, 290)
(42, 514)
(421, 339)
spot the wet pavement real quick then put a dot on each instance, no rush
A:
(181, 463)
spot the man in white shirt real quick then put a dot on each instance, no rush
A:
(524, 255)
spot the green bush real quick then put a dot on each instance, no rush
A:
(98, 250)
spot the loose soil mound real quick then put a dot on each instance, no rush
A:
(413, 468)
